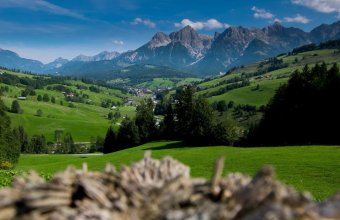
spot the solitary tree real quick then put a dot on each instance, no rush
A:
(53, 99)
(15, 108)
(46, 98)
(39, 98)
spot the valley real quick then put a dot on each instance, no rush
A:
(88, 119)
(259, 94)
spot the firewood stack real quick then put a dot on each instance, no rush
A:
(159, 189)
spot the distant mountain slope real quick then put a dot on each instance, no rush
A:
(236, 46)
(326, 32)
(177, 50)
(105, 55)
(59, 62)
(142, 72)
(12, 60)
(266, 76)
(189, 51)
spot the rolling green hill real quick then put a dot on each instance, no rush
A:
(84, 119)
(311, 168)
(266, 81)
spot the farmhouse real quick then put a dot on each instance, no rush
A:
(128, 100)
(69, 95)
(21, 98)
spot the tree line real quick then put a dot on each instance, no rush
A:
(304, 111)
(186, 118)
(9, 144)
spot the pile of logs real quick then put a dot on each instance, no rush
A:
(159, 189)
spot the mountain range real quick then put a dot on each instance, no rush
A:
(186, 50)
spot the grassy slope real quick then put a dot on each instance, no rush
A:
(270, 83)
(247, 95)
(313, 168)
(167, 82)
(84, 121)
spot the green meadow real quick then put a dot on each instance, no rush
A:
(268, 82)
(308, 168)
(84, 121)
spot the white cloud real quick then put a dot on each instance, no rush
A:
(297, 19)
(262, 13)
(118, 42)
(146, 22)
(209, 24)
(40, 5)
(277, 20)
(324, 6)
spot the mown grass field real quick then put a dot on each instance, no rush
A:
(308, 168)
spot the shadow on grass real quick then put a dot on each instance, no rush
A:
(173, 146)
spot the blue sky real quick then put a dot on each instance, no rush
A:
(47, 29)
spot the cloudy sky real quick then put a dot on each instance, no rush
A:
(47, 29)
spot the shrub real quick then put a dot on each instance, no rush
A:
(39, 113)
(5, 165)
(46, 98)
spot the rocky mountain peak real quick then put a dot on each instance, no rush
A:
(275, 27)
(187, 28)
(105, 55)
(326, 32)
(82, 58)
(159, 39)
(190, 39)
(236, 35)
(186, 34)
(60, 59)
(216, 35)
